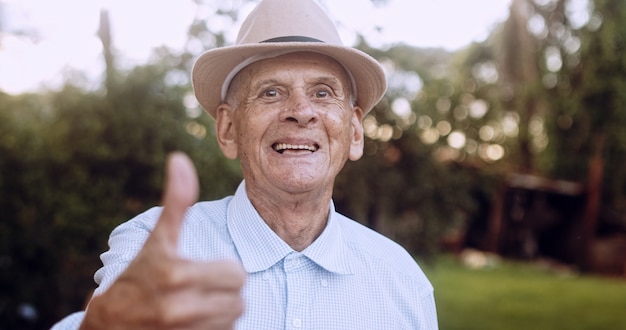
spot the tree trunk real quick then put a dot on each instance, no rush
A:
(594, 196)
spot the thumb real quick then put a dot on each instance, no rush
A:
(180, 192)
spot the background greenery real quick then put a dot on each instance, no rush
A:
(511, 295)
(545, 98)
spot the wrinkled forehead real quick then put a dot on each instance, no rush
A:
(283, 61)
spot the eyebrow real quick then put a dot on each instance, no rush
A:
(265, 82)
(330, 80)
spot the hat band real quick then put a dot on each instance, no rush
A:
(292, 39)
(262, 56)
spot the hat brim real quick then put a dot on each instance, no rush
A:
(212, 67)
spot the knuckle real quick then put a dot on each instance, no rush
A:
(235, 273)
(170, 276)
(165, 313)
(228, 304)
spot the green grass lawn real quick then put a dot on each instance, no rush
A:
(513, 296)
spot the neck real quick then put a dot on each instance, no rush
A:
(298, 219)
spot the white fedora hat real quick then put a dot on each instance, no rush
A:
(277, 27)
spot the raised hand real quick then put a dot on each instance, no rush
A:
(159, 290)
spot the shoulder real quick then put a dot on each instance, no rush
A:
(201, 212)
(381, 257)
(212, 211)
(369, 241)
(377, 250)
(204, 229)
(201, 219)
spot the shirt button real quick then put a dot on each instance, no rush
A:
(265, 277)
(297, 323)
(324, 283)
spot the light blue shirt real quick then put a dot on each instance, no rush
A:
(350, 277)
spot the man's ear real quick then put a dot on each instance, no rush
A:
(225, 130)
(357, 138)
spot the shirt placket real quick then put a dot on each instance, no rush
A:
(296, 316)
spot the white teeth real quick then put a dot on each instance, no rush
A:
(285, 146)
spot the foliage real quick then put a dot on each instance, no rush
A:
(410, 186)
(589, 104)
(74, 165)
(542, 95)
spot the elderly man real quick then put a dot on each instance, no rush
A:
(288, 100)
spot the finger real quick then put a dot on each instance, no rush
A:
(218, 310)
(180, 192)
(209, 296)
(221, 275)
(224, 275)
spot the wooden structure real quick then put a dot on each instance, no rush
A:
(534, 217)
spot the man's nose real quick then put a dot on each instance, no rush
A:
(299, 109)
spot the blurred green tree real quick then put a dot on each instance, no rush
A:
(588, 142)
(74, 165)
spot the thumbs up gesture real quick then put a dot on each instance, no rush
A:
(159, 290)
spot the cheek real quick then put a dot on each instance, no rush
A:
(248, 143)
(334, 115)
(250, 135)
(339, 126)
(246, 127)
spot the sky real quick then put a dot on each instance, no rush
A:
(65, 31)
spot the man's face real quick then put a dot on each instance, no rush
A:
(292, 125)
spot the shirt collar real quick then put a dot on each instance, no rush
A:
(260, 248)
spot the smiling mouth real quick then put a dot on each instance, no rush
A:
(282, 147)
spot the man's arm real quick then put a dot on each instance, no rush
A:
(161, 290)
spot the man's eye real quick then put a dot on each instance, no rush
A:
(322, 94)
(270, 93)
